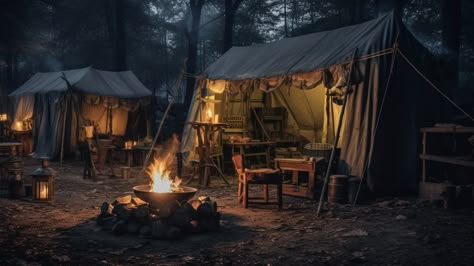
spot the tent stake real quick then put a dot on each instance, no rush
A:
(336, 140)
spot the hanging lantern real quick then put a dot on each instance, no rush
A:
(42, 182)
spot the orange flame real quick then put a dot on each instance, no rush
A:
(159, 170)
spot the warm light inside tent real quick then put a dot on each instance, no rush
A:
(209, 115)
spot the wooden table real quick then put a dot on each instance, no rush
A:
(12, 147)
(25, 137)
(244, 148)
(297, 166)
(205, 135)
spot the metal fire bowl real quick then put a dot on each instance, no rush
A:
(160, 200)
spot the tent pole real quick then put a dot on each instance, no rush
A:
(63, 133)
(336, 140)
(178, 84)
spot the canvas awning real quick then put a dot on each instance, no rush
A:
(123, 84)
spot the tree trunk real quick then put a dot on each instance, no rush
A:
(118, 29)
(193, 36)
(231, 7)
(451, 29)
(384, 6)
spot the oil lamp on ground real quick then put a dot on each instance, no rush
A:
(42, 182)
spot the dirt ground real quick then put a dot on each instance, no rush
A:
(386, 232)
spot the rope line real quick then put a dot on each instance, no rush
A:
(434, 86)
(379, 114)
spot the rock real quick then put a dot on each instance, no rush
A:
(145, 230)
(204, 210)
(400, 217)
(133, 227)
(190, 210)
(196, 226)
(122, 211)
(356, 233)
(158, 230)
(119, 228)
(142, 214)
(107, 223)
(173, 233)
(164, 212)
(181, 218)
(106, 209)
(62, 258)
(401, 203)
(358, 257)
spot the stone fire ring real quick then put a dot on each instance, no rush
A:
(160, 200)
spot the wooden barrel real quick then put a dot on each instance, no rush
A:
(337, 189)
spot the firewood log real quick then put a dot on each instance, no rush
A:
(123, 200)
(138, 201)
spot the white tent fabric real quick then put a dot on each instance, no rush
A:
(60, 102)
(122, 84)
(305, 53)
(383, 106)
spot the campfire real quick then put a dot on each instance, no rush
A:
(160, 178)
(163, 209)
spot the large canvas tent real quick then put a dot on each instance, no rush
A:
(388, 104)
(60, 103)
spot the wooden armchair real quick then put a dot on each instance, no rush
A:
(261, 176)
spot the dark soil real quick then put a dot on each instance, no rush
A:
(390, 232)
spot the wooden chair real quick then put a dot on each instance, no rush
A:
(261, 176)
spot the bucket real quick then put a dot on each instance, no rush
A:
(337, 189)
(125, 170)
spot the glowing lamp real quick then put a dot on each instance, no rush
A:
(42, 182)
(3, 117)
(209, 115)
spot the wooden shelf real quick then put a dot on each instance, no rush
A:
(452, 131)
(448, 159)
(457, 129)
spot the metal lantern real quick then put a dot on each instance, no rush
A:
(42, 182)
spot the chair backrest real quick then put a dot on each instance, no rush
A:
(238, 163)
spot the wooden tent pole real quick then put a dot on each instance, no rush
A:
(336, 140)
(63, 133)
(178, 84)
(69, 86)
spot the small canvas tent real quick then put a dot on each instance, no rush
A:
(388, 103)
(60, 103)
